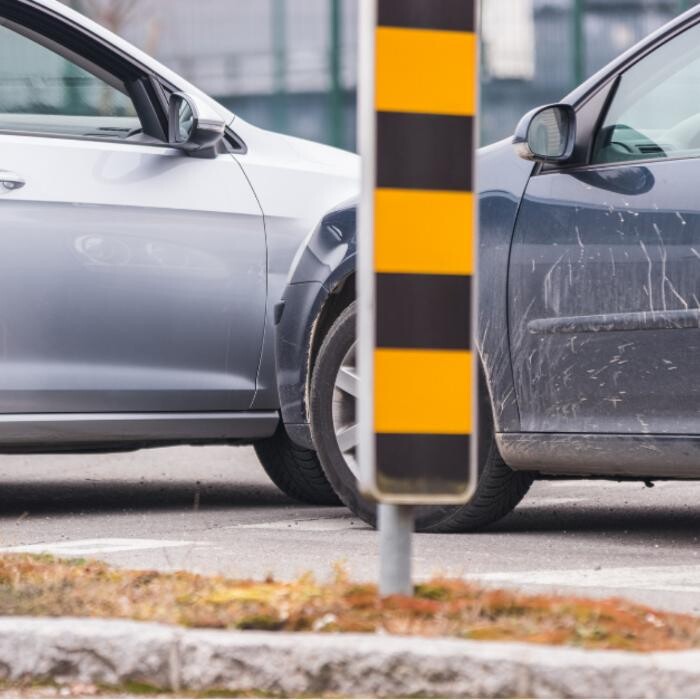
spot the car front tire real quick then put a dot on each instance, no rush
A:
(334, 389)
(295, 470)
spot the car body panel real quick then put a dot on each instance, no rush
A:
(605, 300)
(148, 274)
(106, 432)
(126, 285)
(297, 182)
(607, 456)
(501, 181)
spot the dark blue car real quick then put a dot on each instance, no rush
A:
(590, 300)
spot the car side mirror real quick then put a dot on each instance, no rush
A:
(193, 126)
(547, 134)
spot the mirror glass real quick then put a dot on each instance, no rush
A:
(549, 133)
(185, 121)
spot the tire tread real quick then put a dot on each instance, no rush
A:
(499, 489)
(295, 471)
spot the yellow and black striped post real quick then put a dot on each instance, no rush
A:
(418, 249)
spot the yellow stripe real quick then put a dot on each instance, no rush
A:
(423, 232)
(422, 391)
(426, 71)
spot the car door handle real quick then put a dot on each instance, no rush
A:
(10, 181)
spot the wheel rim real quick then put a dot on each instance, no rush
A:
(345, 391)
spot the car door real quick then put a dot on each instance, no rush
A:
(132, 277)
(604, 279)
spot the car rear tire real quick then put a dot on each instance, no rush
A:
(334, 430)
(295, 471)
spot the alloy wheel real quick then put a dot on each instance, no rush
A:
(345, 392)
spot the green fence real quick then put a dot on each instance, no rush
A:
(290, 65)
(569, 40)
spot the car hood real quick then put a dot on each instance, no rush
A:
(294, 152)
(336, 159)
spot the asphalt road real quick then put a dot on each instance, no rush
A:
(213, 510)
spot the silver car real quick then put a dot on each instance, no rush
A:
(146, 234)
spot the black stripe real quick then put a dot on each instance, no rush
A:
(424, 151)
(431, 312)
(457, 15)
(425, 464)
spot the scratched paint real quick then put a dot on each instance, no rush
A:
(604, 318)
(503, 177)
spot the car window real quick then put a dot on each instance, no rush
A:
(655, 112)
(42, 92)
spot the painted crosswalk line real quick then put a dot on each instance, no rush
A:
(107, 545)
(680, 579)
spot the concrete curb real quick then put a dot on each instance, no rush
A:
(115, 652)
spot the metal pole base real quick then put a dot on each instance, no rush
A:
(395, 533)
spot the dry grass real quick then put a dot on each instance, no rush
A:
(31, 585)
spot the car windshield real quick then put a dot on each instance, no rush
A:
(655, 112)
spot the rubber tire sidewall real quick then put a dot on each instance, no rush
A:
(335, 347)
(339, 340)
(295, 471)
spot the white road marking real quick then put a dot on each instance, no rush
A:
(308, 525)
(98, 546)
(680, 579)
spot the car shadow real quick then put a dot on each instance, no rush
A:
(105, 496)
(669, 523)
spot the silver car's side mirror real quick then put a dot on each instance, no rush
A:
(193, 126)
(547, 134)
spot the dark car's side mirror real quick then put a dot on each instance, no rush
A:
(193, 126)
(547, 134)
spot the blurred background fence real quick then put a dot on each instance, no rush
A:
(290, 65)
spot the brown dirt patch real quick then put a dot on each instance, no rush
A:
(44, 586)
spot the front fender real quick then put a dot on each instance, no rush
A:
(328, 259)
(321, 268)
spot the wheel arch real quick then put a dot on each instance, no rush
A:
(339, 298)
(321, 284)
(331, 301)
